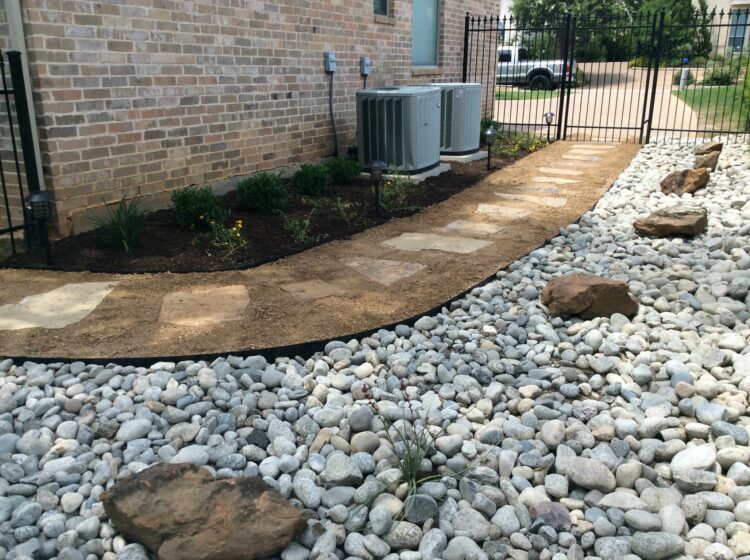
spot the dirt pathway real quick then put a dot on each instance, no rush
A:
(380, 276)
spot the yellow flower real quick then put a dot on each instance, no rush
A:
(238, 235)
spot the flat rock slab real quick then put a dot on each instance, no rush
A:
(55, 309)
(581, 158)
(383, 271)
(180, 512)
(541, 188)
(676, 220)
(555, 180)
(588, 297)
(557, 171)
(200, 307)
(473, 228)
(549, 201)
(708, 147)
(497, 211)
(588, 152)
(433, 242)
(685, 181)
(312, 289)
(594, 146)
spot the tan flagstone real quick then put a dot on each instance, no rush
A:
(383, 271)
(430, 241)
(200, 307)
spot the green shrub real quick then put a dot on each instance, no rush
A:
(263, 192)
(677, 76)
(746, 97)
(195, 207)
(395, 192)
(343, 170)
(123, 225)
(312, 180)
(720, 77)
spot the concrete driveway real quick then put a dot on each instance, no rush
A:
(610, 107)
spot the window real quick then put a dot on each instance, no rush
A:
(739, 23)
(523, 54)
(504, 56)
(380, 7)
(424, 32)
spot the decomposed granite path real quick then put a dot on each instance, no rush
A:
(380, 276)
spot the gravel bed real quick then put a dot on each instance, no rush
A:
(553, 439)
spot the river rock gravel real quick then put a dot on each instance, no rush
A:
(550, 438)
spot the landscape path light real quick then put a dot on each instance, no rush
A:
(377, 168)
(38, 211)
(549, 117)
(489, 136)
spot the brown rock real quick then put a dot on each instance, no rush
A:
(708, 147)
(685, 181)
(181, 513)
(588, 297)
(709, 161)
(677, 220)
(551, 513)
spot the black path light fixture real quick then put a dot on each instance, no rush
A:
(549, 117)
(377, 168)
(38, 206)
(489, 136)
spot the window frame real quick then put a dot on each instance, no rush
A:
(388, 9)
(438, 31)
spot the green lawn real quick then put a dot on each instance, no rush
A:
(524, 94)
(718, 107)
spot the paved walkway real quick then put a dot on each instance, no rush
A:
(382, 275)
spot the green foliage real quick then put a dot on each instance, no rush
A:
(395, 192)
(312, 180)
(122, 225)
(227, 239)
(746, 99)
(262, 192)
(195, 207)
(299, 229)
(512, 145)
(343, 170)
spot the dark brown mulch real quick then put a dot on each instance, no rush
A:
(165, 247)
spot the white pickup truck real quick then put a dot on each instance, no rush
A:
(514, 68)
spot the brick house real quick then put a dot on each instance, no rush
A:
(137, 98)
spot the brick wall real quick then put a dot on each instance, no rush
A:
(141, 97)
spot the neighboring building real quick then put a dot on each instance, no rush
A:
(732, 31)
(138, 98)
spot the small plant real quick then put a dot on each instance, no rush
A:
(195, 207)
(395, 192)
(122, 225)
(227, 239)
(299, 229)
(720, 77)
(344, 211)
(262, 192)
(343, 170)
(514, 144)
(312, 180)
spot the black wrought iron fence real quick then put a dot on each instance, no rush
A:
(623, 78)
(18, 169)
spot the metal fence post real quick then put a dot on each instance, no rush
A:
(466, 48)
(563, 82)
(571, 59)
(657, 60)
(24, 122)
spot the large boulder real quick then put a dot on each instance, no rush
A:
(676, 220)
(180, 512)
(709, 161)
(588, 297)
(685, 181)
(708, 147)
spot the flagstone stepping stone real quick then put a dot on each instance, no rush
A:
(383, 271)
(55, 309)
(594, 146)
(581, 158)
(431, 241)
(542, 188)
(556, 180)
(200, 307)
(502, 211)
(580, 152)
(556, 171)
(312, 290)
(473, 228)
(550, 201)
(568, 164)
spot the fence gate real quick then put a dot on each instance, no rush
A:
(619, 79)
(18, 169)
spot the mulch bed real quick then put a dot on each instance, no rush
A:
(165, 247)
